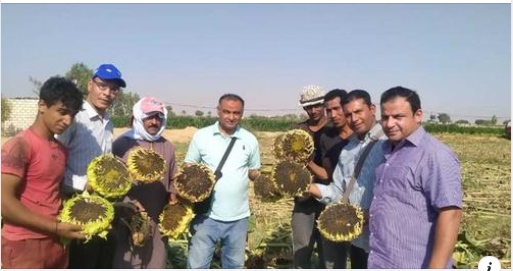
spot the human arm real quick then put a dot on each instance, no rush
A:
(329, 193)
(441, 182)
(446, 234)
(15, 212)
(318, 171)
(254, 162)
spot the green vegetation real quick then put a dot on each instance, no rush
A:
(6, 114)
(180, 122)
(6, 109)
(276, 124)
(455, 129)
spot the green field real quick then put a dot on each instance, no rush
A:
(486, 172)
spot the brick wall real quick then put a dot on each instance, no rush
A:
(23, 113)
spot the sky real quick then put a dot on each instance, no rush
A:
(456, 56)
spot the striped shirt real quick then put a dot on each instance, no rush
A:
(361, 195)
(87, 137)
(419, 177)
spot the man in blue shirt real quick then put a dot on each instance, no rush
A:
(90, 135)
(227, 218)
(360, 115)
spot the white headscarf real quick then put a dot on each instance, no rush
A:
(138, 132)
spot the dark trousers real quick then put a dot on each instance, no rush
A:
(358, 258)
(335, 253)
(98, 253)
(305, 235)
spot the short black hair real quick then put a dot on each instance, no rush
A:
(59, 89)
(357, 94)
(334, 93)
(231, 97)
(411, 96)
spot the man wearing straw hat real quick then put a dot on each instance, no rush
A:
(306, 209)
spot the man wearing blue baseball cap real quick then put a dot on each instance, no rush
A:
(91, 135)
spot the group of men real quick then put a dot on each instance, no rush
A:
(409, 185)
(47, 163)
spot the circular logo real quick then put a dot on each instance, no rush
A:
(489, 263)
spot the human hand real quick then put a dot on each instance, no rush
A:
(310, 158)
(89, 188)
(173, 194)
(138, 205)
(68, 230)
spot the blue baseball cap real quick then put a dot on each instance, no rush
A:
(109, 72)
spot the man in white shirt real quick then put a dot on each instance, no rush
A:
(90, 135)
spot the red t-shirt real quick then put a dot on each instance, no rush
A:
(41, 164)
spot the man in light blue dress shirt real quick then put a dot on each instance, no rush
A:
(360, 114)
(227, 218)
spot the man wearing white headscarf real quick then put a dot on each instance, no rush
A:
(148, 124)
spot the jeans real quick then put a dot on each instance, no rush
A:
(206, 232)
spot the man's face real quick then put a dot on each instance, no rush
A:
(57, 118)
(360, 116)
(153, 123)
(315, 112)
(230, 113)
(398, 120)
(335, 112)
(102, 93)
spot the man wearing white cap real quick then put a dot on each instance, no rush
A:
(307, 210)
(148, 124)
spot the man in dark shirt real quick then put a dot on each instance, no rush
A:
(307, 209)
(332, 139)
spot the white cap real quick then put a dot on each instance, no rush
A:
(311, 94)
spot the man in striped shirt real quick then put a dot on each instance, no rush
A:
(416, 211)
(91, 135)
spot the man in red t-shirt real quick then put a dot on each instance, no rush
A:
(33, 166)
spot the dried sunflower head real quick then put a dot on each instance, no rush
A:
(175, 219)
(291, 178)
(92, 212)
(265, 189)
(341, 222)
(137, 222)
(146, 165)
(194, 182)
(108, 176)
(277, 148)
(297, 145)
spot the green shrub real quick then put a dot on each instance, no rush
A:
(453, 128)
